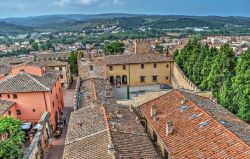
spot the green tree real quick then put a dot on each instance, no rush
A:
(73, 63)
(10, 147)
(113, 48)
(34, 46)
(241, 86)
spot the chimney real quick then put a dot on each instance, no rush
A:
(183, 101)
(119, 113)
(131, 108)
(169, 128)
(153, 110)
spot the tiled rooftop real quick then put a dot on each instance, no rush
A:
(23, 82)
(85, 122)
(5, 105)
(125, 133)
(48, 63)
(135, 59)
(4, 69)
(223, 116)
(196, 134)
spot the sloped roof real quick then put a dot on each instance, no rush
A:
(5, 105)
(49, 63)
(24, 82)
(135, 59)
(223, 116)
(92, 147)
(196, 134)
(4, 69)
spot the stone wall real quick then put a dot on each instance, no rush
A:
(142, 46)
(41, 140)
(76, 93)
(181, 81)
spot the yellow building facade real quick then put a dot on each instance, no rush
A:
(144, 73)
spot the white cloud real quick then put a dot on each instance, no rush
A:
(64, 3)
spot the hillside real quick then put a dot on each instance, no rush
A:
(13, 28)
(78, 22)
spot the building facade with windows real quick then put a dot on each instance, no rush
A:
(29, 91)
(139, 69)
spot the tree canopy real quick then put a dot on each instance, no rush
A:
(113, 48)
(219, 71)
(11, 140)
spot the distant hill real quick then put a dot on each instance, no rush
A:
(13, 28)
(78, 22)
(59, 18)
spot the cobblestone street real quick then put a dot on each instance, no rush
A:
(55, 151)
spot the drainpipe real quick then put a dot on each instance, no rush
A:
(45, 102)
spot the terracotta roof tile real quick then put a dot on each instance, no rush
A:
(5, 105)
(23, 82)
(135, 58)
(190, 139)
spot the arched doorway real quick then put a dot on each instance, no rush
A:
(112, 80)
(124, 80)
(118, 81)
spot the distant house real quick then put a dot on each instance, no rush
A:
(184, 125)
(62, 67)
(29, 91)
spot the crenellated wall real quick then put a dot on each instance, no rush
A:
(181, 81)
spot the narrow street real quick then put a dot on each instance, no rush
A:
(55, 151)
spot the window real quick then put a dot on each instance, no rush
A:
(155, 65)
(9, 112)
(61, 76)
(142, 79)
(91, 67)
(124, 67)
(18, 112)
(111, 68)
(53, 104)
(60, 68)
(142, 66)
(0, 95)
(15, 96)
(154, 78)
(167, 66)
(8, 96)
(166, 77)
(34, 110)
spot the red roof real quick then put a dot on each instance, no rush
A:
(196, 134)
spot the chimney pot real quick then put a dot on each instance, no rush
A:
(169, 128)
(153, 110)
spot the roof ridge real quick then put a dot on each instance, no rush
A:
(93, 134)
(37, 81)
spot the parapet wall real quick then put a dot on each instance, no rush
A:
(142, 98)
(181, 81)
(76, 93)
(41, 140)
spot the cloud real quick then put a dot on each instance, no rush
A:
(64, 3)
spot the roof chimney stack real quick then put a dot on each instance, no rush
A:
(153, 110)
(169, 128)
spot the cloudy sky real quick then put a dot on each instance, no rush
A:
(21, 8)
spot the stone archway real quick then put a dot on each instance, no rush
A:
(124, 80)
(118, 81)
(112, 80)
